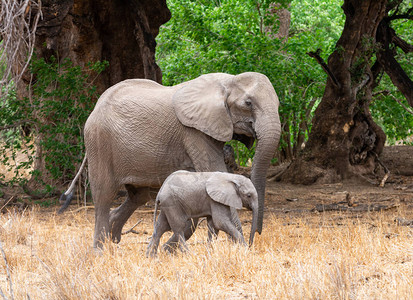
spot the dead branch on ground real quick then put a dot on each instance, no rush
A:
(356, 207)
(5, 204)
(132, 229)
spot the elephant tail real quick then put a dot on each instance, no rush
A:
(67, 196)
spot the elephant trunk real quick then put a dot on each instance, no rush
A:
(253, 224)
(268, 130)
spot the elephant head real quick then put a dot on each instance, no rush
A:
(242, 107)
(236, 191)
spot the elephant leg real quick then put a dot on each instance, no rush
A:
(212, 231)
(235, 220)
(120, 215)
(102, 199)
(161, 227)
(172, 243)
(181, 242)
(223, 220)
(232, 232)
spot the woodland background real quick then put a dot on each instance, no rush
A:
(353, 59)
(342, 71)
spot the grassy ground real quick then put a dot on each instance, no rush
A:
(302, 257)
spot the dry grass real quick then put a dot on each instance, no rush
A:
(50, 257)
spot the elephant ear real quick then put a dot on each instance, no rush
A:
(201, 104)
(223, 190)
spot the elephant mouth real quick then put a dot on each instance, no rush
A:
(248, 141)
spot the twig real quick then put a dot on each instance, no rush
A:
(83, 207)
(401, 103)
(325, 67)
(8, 273)
(387, 93)
(11, 198)
(386, 170)
(131, 230)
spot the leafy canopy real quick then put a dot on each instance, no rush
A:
(236, 36)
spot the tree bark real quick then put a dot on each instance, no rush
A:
(344, 138)
(120, 32)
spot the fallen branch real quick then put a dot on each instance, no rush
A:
(386, 170)
(404, 222)
(355, 208)
(11, 198)
(131, 230)
(83, 207)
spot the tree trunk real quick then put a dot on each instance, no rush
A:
(280, 29)
(120, 32)
(344, 139)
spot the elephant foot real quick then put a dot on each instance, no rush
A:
(151, 251)
(116, 223)
(120, 215)
(170, 247)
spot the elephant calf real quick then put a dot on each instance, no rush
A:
(185, 195)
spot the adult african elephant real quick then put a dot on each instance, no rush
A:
(140, 132)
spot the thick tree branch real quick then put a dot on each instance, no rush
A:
(390, 65)
(402, 44)
(325, 67)
(407, 15)
(397, 75)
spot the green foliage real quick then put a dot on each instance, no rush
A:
(62, 98)
(235, 36)
(243, 155)
(396, 121)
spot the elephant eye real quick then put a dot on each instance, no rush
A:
(249, 195)
(248, 102)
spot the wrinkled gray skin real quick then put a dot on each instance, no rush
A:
(140, 132)
(185, 195)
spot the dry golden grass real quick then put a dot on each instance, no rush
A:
(50, 257)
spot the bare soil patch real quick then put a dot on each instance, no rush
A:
(354, 197)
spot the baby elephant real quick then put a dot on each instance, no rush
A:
(185, 195)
